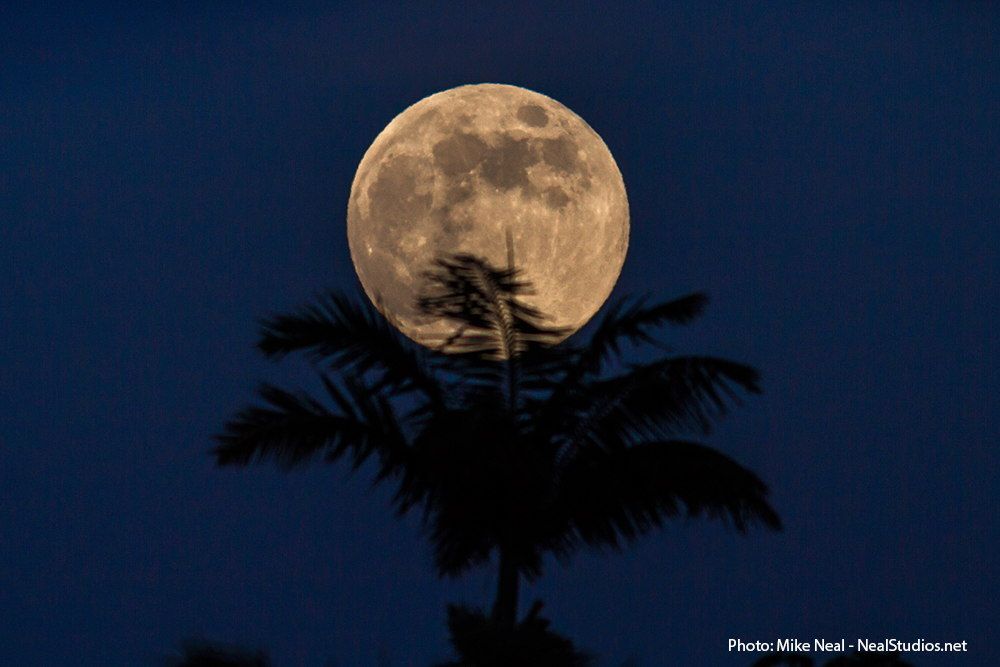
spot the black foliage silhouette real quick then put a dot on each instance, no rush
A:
(480, 641)
(512, 447)
(206, 654)
(856, 659)
(860, 659)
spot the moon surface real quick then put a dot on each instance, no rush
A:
(460, 170)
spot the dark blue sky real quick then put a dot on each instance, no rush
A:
(829, 173)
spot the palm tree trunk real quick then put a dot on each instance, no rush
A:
(508, 584)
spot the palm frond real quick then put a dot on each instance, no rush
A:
(497, 333)
(624, 320)
(351, 336)
(664, 398)
(634, 321)
(291, 428)
(486, 306)
(614, 497)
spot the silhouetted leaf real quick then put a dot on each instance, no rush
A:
(485, 306)
(293, 427)
(664, 398)
(353, 338)
(633, 321)
(610, 497)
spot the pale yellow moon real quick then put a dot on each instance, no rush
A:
(460, 170)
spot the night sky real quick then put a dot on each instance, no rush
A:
(829, 174)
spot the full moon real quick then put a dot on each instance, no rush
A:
(459, 172)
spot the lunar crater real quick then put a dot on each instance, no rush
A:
(533, 115)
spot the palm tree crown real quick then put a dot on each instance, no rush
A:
(508, 443)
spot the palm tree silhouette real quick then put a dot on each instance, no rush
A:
(510, 445)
